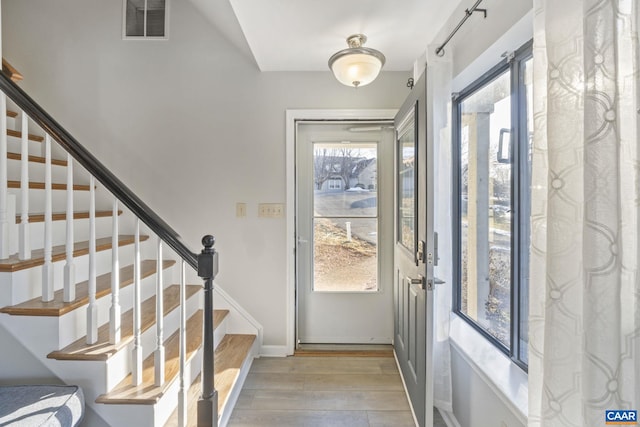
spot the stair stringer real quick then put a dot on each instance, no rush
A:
(240, 321)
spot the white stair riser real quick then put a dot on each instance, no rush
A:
(80, 230)
(27, 284)
(36, 148)
(73, 325)
(36, 172)
(119, 366)
(13, 122)
(59, 201)
(150, 415)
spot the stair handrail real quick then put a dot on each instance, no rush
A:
(98, 170)
(205, 262)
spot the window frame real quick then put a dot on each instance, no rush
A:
(520, 196)
(146, 37)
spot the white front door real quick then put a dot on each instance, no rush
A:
(344, 230)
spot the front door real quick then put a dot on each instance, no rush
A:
(413, 266)
(344, 228)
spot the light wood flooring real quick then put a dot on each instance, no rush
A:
(323, 391)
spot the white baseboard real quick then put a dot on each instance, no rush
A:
(273, 351)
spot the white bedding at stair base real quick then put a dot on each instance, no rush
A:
(41, 405)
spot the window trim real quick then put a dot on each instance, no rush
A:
(145, 37)
(514, 64)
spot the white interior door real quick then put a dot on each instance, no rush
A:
(344, 230)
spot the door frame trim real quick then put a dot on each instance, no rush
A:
(291, 117)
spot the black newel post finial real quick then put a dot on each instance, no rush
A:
(207, 270)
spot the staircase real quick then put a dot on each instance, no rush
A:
(93, 284)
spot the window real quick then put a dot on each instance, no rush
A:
(145, 19)
(492, 145)
(335, 184)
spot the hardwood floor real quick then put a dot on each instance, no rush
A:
(321, 392)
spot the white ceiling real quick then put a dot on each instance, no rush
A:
(301, 35)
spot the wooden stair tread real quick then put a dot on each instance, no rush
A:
(62, 216)
(229, 358)
(18, 134)
(36, 159)
(57, 307)
(147, 393)
(102, 349)
(218, 317)
(227, 367)
(12, 114)
(54, 186)
(12, 263)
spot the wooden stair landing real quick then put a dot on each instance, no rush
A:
(57, 307)
(147, 393)
(102, 349)
(13, 263)
(229, 358)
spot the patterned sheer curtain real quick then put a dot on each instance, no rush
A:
(585, 297)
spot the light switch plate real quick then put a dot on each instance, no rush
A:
(241, 210)
(271, 210)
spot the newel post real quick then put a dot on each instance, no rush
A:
(207, 270)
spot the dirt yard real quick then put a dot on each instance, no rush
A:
(342, 265)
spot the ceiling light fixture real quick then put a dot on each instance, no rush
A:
(356, 66)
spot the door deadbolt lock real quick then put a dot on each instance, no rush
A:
(420, 280)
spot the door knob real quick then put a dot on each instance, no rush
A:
(420, 280)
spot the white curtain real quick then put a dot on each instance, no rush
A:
(584, 353)
(439, 72)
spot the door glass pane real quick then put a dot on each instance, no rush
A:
(407, 183)
(345, 205)
(486, 207)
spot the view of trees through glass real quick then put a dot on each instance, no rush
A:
(345, 235)
(485, 183)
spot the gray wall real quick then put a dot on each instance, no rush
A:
(190, 124)
(474, 403)
(193, 127)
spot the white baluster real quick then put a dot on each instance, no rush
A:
(47, 268)
(69, 268)
(115, 311)
(4, 220)
(136, 370)
(159, 352)
(182, 392)
(25, 242)
(92, 308)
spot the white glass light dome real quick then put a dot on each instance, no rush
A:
(356, 66)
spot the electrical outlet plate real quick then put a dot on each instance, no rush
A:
(271, 210)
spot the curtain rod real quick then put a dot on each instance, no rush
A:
(467, 14)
